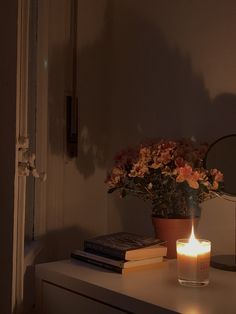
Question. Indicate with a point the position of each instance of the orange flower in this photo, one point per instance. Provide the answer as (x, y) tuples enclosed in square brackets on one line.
[(179, 162), (186, 173), (218, 176), (138, 170), (145, 154), (115, 177), (165, 157), (156, 163), (183, 173), (215, 185), (156, 170)]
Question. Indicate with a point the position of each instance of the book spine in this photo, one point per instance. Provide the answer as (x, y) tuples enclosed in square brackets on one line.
[(100, 258), (97, 263), (112, 252)]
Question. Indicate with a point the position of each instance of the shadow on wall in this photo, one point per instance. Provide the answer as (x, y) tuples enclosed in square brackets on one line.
[(95, 94), (156, 93), (58, 244), (94, 90), (56, 97), (133, 85), (222, 121)]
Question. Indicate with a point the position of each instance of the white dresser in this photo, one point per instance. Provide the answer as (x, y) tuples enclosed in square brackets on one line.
[(73, 287)]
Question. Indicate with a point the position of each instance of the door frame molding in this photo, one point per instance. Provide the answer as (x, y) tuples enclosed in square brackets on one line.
[(21, 135), (23, 46)]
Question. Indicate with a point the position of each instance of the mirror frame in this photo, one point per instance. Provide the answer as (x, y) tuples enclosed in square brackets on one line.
[(225, 262), (225, 195)]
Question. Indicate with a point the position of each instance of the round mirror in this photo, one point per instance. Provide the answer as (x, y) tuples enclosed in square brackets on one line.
[(222, 156)]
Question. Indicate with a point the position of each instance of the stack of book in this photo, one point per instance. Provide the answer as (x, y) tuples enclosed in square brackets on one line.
[(122, 252)]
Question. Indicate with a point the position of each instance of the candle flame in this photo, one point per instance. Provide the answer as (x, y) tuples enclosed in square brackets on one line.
[(192, 238), (194, 247)]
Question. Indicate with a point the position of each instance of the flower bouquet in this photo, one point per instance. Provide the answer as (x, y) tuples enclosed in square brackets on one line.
[(170, 174)]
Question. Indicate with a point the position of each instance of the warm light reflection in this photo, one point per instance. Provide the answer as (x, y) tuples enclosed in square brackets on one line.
[(193, 247), (192, 311)]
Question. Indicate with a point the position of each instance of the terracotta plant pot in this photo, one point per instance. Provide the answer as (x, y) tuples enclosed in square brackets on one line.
[(171, 230)]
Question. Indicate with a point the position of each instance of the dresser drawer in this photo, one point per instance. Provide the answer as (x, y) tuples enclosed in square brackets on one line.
[(57, 300)]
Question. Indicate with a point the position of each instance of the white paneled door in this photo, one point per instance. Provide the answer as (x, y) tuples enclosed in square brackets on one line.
[(36, 37), (31, 101), (22, 144), (44, 28)]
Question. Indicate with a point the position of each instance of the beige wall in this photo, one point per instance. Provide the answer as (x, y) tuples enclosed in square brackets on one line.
[(173, 75), (146, 69), (76, 195)]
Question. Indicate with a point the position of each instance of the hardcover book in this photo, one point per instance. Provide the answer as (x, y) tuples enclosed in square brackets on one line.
[(87, 256), (117, 269), (125, 246)]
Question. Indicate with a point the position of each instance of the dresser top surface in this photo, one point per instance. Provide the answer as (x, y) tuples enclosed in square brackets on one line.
[(157, 286)]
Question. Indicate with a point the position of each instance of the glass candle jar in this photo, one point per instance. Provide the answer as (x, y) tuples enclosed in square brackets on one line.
[(193, 261)]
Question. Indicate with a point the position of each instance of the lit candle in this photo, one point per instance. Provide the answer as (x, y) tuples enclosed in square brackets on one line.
[(193, 260)]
